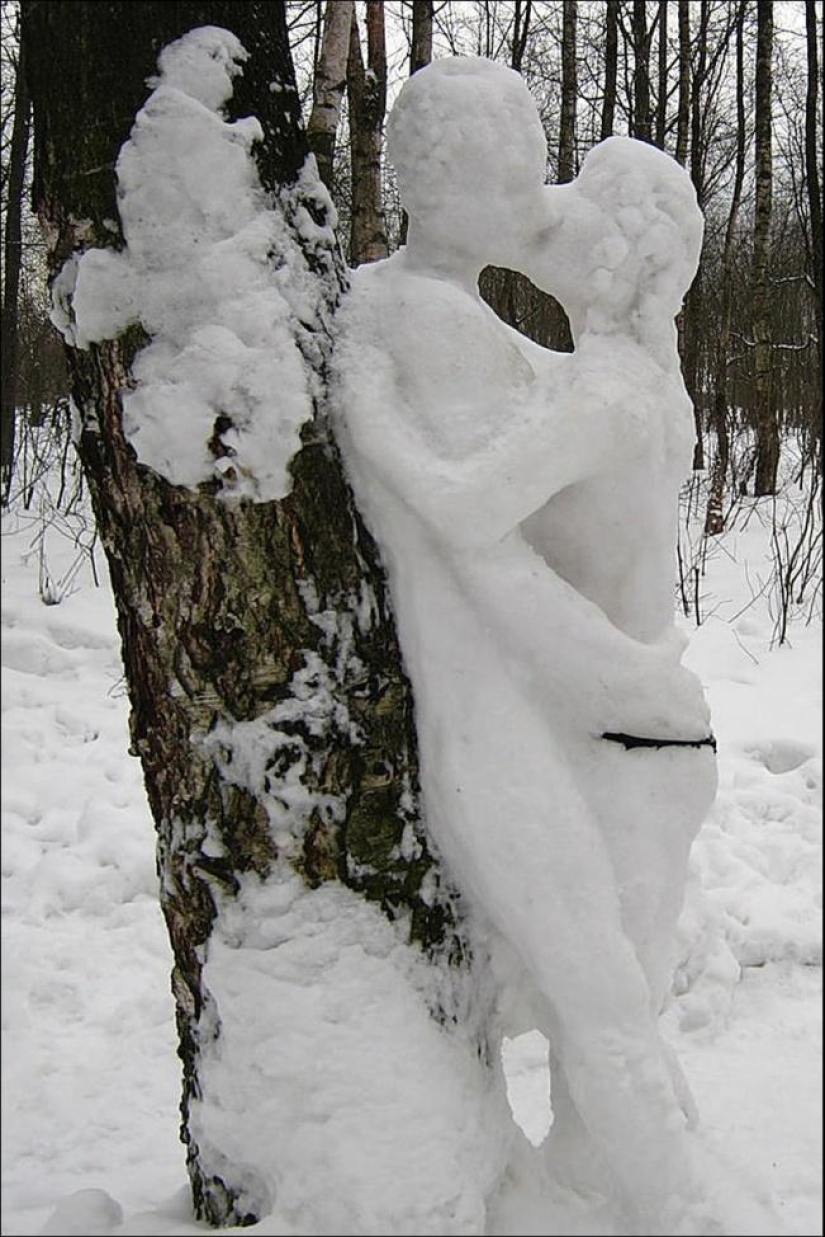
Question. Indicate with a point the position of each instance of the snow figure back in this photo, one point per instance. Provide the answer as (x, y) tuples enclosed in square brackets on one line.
[(525, 503)]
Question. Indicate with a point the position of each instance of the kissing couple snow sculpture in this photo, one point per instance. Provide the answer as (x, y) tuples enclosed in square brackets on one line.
[(525, 503)]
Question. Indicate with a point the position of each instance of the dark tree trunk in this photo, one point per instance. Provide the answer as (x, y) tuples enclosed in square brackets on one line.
[(683, 106), (611, 66), (367, 106), (218, 604), (715, 518), (692, 334), (328, 86), (765, 416), (421, 49), (567, 130), (814, 196), (521, 29), (641, 73), (12, 262), (661, 99)]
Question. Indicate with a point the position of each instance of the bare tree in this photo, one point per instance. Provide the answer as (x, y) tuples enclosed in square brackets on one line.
[(421, 47), (367, 93), (662, 75), (611, 67), (683, 106), (225, 608), (330, 80), (814, 186), (567, 131), (12, 263), (641, 72), (715, 518), (767, 428)]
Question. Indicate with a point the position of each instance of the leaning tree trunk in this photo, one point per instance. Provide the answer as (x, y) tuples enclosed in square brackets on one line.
[(765, 417), (222, 608), (12, 261)]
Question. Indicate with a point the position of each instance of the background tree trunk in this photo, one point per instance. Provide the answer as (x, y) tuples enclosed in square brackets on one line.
[(683, 106), (12, 261), (421, 48), (367, 91), (611, 67), (814, 199), (661, 98), (715, 519), (641, 73), (328, 86), (219, 604), (765, 417), (569, 89)]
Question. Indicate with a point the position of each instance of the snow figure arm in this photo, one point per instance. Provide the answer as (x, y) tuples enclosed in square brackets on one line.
[(470, 431)]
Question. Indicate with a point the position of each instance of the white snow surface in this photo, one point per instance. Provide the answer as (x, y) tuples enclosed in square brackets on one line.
[(91, 1079), (213, 275), (526, 506)]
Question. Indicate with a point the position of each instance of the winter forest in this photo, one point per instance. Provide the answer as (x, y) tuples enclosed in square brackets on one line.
[(412, 610)]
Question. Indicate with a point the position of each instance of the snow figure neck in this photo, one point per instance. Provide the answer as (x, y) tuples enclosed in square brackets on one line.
[(525, 503)]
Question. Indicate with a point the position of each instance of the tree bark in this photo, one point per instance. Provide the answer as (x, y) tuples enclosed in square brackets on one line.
[(12, 262), (421, 49), (221, 606), (814, 196), (567, 130), (715, 517), (367, 90), (765, 417), (641, 73), (661, 99), (683, 112), (521, 29), (329, 85), (611, 64)]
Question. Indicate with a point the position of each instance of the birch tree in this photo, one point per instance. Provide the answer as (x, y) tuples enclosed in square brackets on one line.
[(269, 707)]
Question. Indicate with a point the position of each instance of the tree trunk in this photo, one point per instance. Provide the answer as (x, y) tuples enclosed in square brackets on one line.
[(715, 518), (12, 261), (611, 63), (765, 417), (367, 106), (329, 85), (661, 100), (641, 73), (225, 608), (683, 112), (521, 29), (421, 49), (694, 301), (814, 197), (567, 131)]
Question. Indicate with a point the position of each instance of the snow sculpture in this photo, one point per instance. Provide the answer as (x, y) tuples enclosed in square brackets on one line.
[(526, 506)]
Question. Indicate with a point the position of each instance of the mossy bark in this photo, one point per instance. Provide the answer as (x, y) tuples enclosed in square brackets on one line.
[(218, 605)]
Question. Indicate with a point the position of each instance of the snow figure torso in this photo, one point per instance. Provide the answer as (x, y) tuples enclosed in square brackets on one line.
[(525, 503)]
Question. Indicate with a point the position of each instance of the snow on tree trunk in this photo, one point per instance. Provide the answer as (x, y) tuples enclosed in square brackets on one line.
[(270, 708)]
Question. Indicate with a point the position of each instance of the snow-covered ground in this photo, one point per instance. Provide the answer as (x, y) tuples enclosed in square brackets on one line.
[(90, 1074)]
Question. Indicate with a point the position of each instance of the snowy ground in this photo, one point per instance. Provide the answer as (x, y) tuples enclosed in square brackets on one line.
[(90, 1075)]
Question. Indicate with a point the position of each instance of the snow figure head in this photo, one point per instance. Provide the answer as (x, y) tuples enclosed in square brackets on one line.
[(202, 64), (469, 149)]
